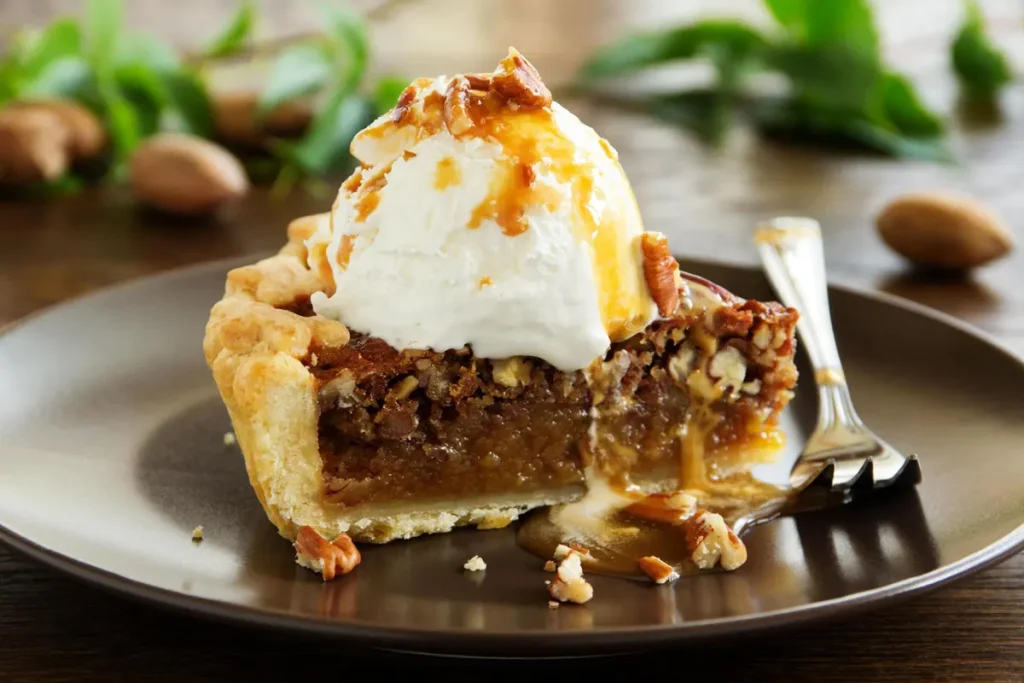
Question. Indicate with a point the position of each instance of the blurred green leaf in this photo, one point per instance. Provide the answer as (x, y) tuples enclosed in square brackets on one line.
[(981, 67), (326, 146), (234, 35), (59, 40), (829, 73), (795, 120), (101, 29), (146, 50), (120, 117), (791, 14), (848, 23), (64, 77), (142, 82), (188, 98), (387, 92), (707, 113), (350, 44), (145, 91), (12, 66), (149, 116), (297, 71), (639, 51), (903, 107)]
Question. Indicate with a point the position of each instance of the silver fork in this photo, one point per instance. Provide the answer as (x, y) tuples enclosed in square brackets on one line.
[(842, 456)]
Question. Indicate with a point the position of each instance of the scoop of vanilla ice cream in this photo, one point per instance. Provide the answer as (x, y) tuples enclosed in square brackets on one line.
[(485, 218)]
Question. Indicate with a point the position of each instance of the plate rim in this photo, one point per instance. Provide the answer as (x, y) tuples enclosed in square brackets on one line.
[(448, 640)]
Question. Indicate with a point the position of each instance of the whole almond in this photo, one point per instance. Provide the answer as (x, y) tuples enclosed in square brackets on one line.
[(236, 121), (87, 136), (33, 146), (943, 231), (184, 174)]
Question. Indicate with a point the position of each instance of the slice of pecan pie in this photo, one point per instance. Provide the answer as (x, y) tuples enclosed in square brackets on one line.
[(481, 326)]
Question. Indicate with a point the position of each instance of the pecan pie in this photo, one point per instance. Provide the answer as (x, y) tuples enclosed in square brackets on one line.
[(481, 326)]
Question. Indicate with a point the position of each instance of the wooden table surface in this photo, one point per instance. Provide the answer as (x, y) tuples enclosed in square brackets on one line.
[(55, 629)]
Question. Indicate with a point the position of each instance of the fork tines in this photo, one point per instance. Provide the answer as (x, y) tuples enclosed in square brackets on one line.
[(864, 481)]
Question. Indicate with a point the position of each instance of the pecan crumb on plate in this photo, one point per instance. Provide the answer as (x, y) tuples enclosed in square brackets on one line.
[(657, 569), (328, 558), (569, 584), (475, 564)]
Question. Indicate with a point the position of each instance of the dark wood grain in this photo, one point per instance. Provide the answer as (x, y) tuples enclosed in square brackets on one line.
[(55, 629)]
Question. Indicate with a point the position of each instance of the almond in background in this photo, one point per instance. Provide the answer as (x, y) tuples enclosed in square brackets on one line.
[(87, 137), (943, 231), (236, 122), (34, 145), (185, 175)]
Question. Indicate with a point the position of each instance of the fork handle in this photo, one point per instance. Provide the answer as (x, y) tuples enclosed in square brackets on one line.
[(794, 261)]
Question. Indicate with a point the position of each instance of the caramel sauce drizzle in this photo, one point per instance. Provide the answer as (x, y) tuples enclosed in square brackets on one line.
[(345, 250), (532, 142), (366, 205), (447, 174), (620, 524)]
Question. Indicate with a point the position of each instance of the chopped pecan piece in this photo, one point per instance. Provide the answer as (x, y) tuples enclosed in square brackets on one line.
[(456, 106), (563, 551), (479, 81), (569, 584), (518, 81), (657, 569), (329, 558), (511, 372), (710, 541), (405, 100), (662, 507), (401, 390), (661, 271)]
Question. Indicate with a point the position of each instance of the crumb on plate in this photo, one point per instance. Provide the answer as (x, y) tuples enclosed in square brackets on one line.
[(475, 564), (328, 558), (657, 569), (569, 584)]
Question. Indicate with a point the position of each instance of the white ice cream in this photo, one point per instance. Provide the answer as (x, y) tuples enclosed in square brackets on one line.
[(424, 254)]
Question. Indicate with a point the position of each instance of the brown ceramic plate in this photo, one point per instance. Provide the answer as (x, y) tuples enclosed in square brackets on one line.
[(112, 450)]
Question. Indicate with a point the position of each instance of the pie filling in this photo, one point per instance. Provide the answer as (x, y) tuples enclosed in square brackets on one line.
[(420, 426)]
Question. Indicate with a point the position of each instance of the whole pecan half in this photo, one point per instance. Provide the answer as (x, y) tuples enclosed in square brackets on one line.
[(661, 271), (456, 106), (518, 81)]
